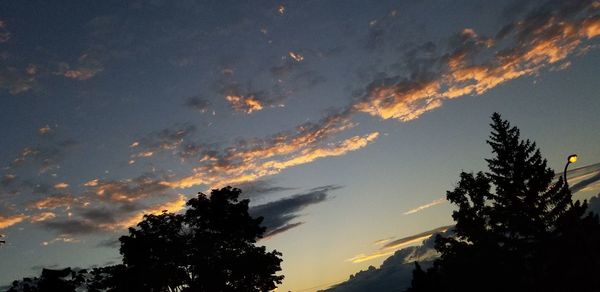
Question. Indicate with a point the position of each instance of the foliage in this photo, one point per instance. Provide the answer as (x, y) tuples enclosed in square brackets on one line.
[(209, 248), (515, 229)]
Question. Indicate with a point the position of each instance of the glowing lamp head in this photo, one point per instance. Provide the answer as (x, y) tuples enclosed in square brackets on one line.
[(572, 158)]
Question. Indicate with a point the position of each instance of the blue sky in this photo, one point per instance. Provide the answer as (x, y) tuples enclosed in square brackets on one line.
[(338, 117)]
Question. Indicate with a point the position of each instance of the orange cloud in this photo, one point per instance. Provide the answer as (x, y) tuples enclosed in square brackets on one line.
[(45, 130), (310, 155), (296, 56), (8, 221), (171, 206), (127, 190), (251, 159), (247, 104), (61, 185), (44, 216), (403, 101), (91, 183), (169, 139), (53, 202), (537, 43), (253, 166)]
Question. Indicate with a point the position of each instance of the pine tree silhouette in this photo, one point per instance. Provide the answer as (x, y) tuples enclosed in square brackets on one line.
[(515, 230)]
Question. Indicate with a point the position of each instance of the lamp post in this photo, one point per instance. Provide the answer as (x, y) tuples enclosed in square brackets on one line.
[(571, 159)]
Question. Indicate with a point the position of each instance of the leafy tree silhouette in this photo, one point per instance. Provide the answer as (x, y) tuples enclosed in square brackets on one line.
[(515, 230), (209, 248), (51, 280), (212, 247)]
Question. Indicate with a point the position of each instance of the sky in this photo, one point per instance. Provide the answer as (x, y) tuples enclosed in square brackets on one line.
[(344, 122)]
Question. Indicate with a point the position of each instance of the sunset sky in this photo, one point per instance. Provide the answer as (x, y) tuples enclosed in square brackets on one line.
[(344, 121)]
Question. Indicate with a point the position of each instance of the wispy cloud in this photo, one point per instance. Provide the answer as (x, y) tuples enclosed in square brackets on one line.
[(173, 206), (110, 217), (4, 33), (249, 160), (46, 156), (87, 66), (278, 215), (16, 80), (197, 103), (43, 216), (587, 183), (423, 207), (8, 221), (61, 238), (395, 273), (239, 170), (128, 190), (246, 104), (53, 202), (167, 140), (391, 246), (260, 188)]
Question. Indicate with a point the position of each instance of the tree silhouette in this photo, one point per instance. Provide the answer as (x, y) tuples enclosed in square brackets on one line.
[(212, 247), (64, 280), (209, 248), (515, 230), (222, 248), (154, 253)]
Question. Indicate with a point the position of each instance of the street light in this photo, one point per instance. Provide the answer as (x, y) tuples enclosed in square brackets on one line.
[(571, 159)]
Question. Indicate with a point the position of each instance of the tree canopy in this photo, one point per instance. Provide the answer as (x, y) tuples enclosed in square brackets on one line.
[(516, 229), (212, 247), (209, 248)]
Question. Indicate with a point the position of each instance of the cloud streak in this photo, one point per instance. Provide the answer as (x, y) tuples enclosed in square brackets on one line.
[(278, 215), (8, 221), (392, 246), (423, 207), (249, 160), (166, 140), (583, 179)]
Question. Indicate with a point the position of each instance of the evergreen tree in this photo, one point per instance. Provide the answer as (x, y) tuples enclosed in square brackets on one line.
[(515, 229)]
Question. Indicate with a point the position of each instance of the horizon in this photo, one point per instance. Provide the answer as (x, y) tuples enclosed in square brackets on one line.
[(343, 123)]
